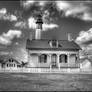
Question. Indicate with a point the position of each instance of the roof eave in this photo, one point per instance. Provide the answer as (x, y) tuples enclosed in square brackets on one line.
[(55, 49)]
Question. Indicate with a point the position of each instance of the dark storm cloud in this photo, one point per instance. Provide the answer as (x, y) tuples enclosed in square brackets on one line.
[(78, 9)]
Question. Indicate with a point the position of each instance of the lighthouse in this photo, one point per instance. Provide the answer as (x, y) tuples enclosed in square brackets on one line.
[(39, 23)]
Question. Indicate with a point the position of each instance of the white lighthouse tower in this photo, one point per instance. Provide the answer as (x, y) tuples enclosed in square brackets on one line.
[(39, 23)]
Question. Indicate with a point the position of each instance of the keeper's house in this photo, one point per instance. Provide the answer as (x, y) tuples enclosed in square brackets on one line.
[(51, 53)]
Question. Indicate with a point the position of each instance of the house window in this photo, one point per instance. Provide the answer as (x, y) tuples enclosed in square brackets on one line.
[(7, 65), (9, 60), (14, 65), (63, 58), (54, 43), (12, 60), (19, 66), (10, 65), (43, 58), (76, 57), (54, 58)]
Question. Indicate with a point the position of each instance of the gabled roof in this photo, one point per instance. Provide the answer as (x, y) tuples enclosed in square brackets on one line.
[(45, 45), (86, 58), (11, 59)]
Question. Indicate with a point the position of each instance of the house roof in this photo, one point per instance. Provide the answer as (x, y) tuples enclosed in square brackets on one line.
[(45, 45), (12, 59), (86, 58)]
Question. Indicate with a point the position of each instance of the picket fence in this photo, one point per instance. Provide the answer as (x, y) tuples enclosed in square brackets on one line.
[(45, 70)]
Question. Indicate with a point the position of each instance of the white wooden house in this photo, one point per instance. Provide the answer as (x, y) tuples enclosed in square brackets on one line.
[(51, 53)]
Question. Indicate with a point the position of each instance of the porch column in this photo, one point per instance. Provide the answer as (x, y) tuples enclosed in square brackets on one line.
[(38, 55), (50, 61), (58, 61), (77, 60), (68, 57), (28, 58), (28, 55)]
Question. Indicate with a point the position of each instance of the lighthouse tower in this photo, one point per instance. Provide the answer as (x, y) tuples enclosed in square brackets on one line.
[(39, 23)]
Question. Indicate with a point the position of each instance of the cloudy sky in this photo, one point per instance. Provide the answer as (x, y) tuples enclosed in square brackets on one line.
[(17, 23)]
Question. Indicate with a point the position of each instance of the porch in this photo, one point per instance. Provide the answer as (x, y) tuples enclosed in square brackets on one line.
[(53, 60)]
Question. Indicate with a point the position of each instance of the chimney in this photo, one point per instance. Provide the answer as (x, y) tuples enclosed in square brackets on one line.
[(70, 37), (39, 23)]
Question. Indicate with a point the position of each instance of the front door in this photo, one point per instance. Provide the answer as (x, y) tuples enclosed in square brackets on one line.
[(54, 61)]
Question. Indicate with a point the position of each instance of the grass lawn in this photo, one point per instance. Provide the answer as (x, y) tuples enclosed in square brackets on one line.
[(45, 82)]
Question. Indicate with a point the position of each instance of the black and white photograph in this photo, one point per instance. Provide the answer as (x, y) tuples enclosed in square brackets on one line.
[(46, 45)]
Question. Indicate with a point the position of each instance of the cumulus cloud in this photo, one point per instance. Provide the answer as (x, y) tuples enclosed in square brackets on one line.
[(84, 36), (4, 53), (16, 43), (62, 5), (85, 41), (75, 9), (3, 11), (32, 23), (28, 3), (46, 26), (21, 24), (7, 16), (49, 26), (42, 3), (6, 38), (86, 17), (89, 47)]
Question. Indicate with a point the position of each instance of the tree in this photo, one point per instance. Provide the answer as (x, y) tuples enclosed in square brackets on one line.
[(23, 64)]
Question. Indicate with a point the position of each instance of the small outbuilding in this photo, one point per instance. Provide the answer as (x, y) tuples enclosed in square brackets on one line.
[(85, 64), (11, 64)]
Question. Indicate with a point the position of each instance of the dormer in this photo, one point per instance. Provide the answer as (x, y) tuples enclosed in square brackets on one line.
[(53, 43)]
